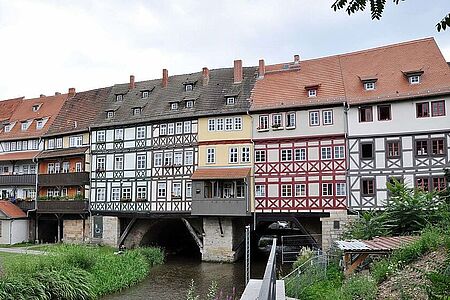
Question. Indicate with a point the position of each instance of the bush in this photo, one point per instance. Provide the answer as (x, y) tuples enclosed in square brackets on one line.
[(359, 287), (304, 255), (369, 225)]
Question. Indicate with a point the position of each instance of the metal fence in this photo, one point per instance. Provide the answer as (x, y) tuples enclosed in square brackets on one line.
[(269, 283), (291, 245)]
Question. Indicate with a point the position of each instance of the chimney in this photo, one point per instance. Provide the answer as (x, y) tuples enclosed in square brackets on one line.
[(165, 78), (41, 96), (261, 69), (296, 59), (205, 76), (132, 85), (57, 93), (238, 71), (71, 92)]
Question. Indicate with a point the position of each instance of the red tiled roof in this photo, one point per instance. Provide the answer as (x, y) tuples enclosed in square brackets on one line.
[(50, 107), (28, 155), (340, 77), (11, 211), (220, 173), (7, 108)]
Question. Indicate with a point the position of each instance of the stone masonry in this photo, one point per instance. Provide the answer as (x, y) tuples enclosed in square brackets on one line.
[(332, 227), (73, 231)]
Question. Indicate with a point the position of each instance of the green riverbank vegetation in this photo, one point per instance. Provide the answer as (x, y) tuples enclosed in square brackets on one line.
[(75, 272)]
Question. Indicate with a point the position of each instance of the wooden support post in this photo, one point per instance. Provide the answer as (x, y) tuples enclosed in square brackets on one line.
[(193, 234), (127, 230), (359, 260)]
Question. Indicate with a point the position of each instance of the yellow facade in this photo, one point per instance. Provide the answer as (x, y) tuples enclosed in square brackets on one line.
[(206, 135)]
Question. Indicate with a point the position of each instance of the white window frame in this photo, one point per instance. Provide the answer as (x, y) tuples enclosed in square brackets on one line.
[(168, 158), (51, 144), (286, 190), (189, 157), (312, 93), (101, 136), (110, 114), (78, 167), (188, 193), (341, 189), (189, 103), (326, 191), (145, 94), (141, 193), (300, 154), (162, 190), (314, 118), (286, 155), (290, 120), (115, 194), (326, 153), (24, 125), (187, 127), (118, 134), (118, 162), (179, 128), (163, 129), (174, 106), (211, 124), (59, 143), (141, 161), (210, 155), (263, 123), (178, 158), (127, 193), (260, 190), (231, 100), (238, 123), (176, 190), (100, 194), (300, 190), (260, 155), (101, 163), (136, 111), (170, 129), (220, 124), (339, 152), (233, 155), (327, 117), (157, 159), (414, 79), (140, 132), (245, 154), (228, 124), (39, 124), (369, 86)]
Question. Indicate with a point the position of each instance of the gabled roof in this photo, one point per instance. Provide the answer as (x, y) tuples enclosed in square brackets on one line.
[(209, 99), (49, 108), (11, 211), (7, 108), (79, 112)]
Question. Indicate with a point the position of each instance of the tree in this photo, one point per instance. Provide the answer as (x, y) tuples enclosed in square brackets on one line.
[(377, 8)]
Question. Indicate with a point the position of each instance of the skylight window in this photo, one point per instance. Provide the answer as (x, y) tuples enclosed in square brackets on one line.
[(189, 103), (188, 87), (231, 100), (39, 124), (24, 125), (136, 111), (145, 94), (174, 106), (369, 86), (8, 127), (312, 93), (414, 79), (110, 114), (119, 97)]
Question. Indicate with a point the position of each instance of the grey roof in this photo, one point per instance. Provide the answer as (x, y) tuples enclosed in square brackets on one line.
[(208, 99)]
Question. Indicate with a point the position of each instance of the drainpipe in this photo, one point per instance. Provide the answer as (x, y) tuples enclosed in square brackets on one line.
[(36, 227), (91, 222), (347, 167), (252, 171)]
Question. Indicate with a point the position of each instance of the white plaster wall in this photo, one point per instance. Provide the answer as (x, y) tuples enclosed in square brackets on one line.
[(19, 231)]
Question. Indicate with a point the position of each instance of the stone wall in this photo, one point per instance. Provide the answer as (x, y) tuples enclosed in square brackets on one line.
[(111, 231), (217, 244), (73, 231), (332, 231)]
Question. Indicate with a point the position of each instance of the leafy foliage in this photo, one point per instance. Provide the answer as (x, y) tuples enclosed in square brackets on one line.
[(377, 8), (369, 225)]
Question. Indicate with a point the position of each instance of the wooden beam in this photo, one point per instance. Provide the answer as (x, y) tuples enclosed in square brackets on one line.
[(127, 230), (193, 234), (359, 260)]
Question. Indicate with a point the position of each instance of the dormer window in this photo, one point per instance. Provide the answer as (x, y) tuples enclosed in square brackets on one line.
[(369, 86), (136, 111), (231, 100), (174, 106), (24, 125), (8, 127), (110, 114), (414, 79), (145, 94), (188, 87), (312, 93), (35, 107), (413, 75), (39, 124), (119, 97), (189, 103)]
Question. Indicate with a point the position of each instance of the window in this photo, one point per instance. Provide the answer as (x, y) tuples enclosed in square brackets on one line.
[(24, 125), (179, 128), (312, 93), (50, 168), (422, 183), (65, 167), (141, 194), (57, 167), (76, 141), (423, 110), (34, 144), (145, 94), (25, 145), (369, 86), (290, 120), (437, 147), (100, 136), (188, 189), (277, 121), (174, 106), (393, 149), (51, 144), (384, 112), (126, 194), (233, 155), (118, 134), (136, 111), (178, 158), (110, 114), (286, 154), (189, 104), (157, 159), (211, 124), (366, 151), (414, 79), (187, 127), (260, 155), (260, 190), (365, 114), (439, 183), (188, 158), (7, 127), (59, 143), (141, 161), (210, 155), (325, 153), (35, 107), (245, 154), (188, 87), (176, 189), (237, 123), (161, 189), (118, 163), (100, 163), (170, 129), (19, 146), (263, 122), (340, 189), (163, 129), (228, 124), (168, 159), (336, 225), (219, 124), (286, 190), (421, 147), (339, 152), (300, 190), (327, 189), (119, 97), (64, 192), (101, 195), (300, 154), (140, 132), (39, 124), (314, 118), (438, 108), (368, 187), (78, 167), (327, 117), (231, 100)]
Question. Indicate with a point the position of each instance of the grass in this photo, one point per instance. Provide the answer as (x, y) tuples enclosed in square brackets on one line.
[(74, 272)]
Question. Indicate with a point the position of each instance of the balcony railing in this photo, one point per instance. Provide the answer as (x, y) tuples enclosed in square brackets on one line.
[(219, 206), (62, 206), (26, 205), (18, 180), (63, 179)]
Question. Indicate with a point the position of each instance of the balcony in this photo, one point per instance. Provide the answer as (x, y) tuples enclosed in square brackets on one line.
[(220, 207), (63, 206), (18, 180), (26, 205), (63, 179)]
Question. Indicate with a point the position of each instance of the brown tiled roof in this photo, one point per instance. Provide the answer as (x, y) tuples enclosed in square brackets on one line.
[(62, 152), (7, 108), (11, 211), (26, 155), (220, 173), (50, 107), (377, 244), (80, 111), (340, 77)]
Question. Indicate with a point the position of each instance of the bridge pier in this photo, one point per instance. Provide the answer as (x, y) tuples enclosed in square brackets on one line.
[(332, 227)]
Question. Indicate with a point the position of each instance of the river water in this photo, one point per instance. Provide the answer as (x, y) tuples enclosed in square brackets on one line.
[(171, 280)]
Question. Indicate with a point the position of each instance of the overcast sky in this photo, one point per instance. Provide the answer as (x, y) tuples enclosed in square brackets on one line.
[(49, 46)]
